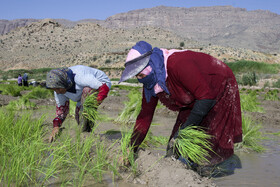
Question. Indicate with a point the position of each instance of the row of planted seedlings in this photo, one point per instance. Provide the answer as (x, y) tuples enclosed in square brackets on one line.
[(26, 158)]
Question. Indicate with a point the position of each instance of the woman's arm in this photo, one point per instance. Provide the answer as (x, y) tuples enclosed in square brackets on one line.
[(143, 121)]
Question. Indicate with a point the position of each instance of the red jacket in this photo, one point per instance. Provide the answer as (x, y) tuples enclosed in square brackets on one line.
[(195, 76)]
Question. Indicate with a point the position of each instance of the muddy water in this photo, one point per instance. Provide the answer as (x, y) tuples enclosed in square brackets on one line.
[(258, 169)]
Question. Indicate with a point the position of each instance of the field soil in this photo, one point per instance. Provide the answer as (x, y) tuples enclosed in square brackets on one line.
[(153, 168)]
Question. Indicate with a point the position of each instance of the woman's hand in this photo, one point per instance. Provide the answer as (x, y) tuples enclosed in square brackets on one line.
[(54, 133)]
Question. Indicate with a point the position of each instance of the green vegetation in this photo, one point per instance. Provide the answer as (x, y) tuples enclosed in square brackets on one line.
[(90, 107), (249, 102), (21, 104), (251, 135), (26, 159), (272, 95), (193, 143), (251, 66), (132, 108), (39, 93)]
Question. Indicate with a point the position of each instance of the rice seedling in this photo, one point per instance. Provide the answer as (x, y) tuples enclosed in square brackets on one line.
[(156, 141), (132, 108), (20, 149), (249, 103), (25, 159), (193, 144), (272, 95), (127, 152), (251, 135), (90, 107), (11, 89), (39, 93), (21, 104)]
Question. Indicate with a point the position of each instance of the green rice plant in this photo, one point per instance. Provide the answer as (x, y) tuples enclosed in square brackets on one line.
[(251, 135), (13, 90), (249, 103), (156, 141), (194, 143), (90, 107), (272, 95), (39, 93), (26, 160), (20, 148), (21, 104), (127, 152), (131, 109)]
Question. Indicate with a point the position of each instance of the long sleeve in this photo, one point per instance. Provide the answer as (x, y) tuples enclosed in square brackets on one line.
[(143, 121)]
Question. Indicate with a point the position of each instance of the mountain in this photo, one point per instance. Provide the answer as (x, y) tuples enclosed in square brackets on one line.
[(49, 44), (104, 43), (218, 25)]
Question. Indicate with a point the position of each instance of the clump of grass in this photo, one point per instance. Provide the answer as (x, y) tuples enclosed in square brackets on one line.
[(249, 102), (127, 152), (251, 135), (132, 108), (39, 93), (272, 95), (21, 104), (193, 143), (156, 141), (13, 90)]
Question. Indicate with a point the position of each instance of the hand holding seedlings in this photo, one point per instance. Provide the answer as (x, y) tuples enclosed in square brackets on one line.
[(77, 83)]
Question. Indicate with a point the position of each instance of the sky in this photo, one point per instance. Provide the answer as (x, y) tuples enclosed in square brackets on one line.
[(75, 10)]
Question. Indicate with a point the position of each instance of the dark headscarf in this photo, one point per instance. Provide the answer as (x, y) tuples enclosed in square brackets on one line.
[(61, 78), (157, 74)]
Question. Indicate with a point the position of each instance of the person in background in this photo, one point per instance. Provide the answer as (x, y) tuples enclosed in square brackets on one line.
[(200, 87), (25, 79), (19, 80), (75, 83)]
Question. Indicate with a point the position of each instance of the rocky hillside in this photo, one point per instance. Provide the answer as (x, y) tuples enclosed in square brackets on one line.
[(221, 25), (49, 44), (218, 25)]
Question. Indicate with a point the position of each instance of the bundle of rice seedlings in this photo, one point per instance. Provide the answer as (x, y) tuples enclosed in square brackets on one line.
[(193, 143), (90, 107)]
